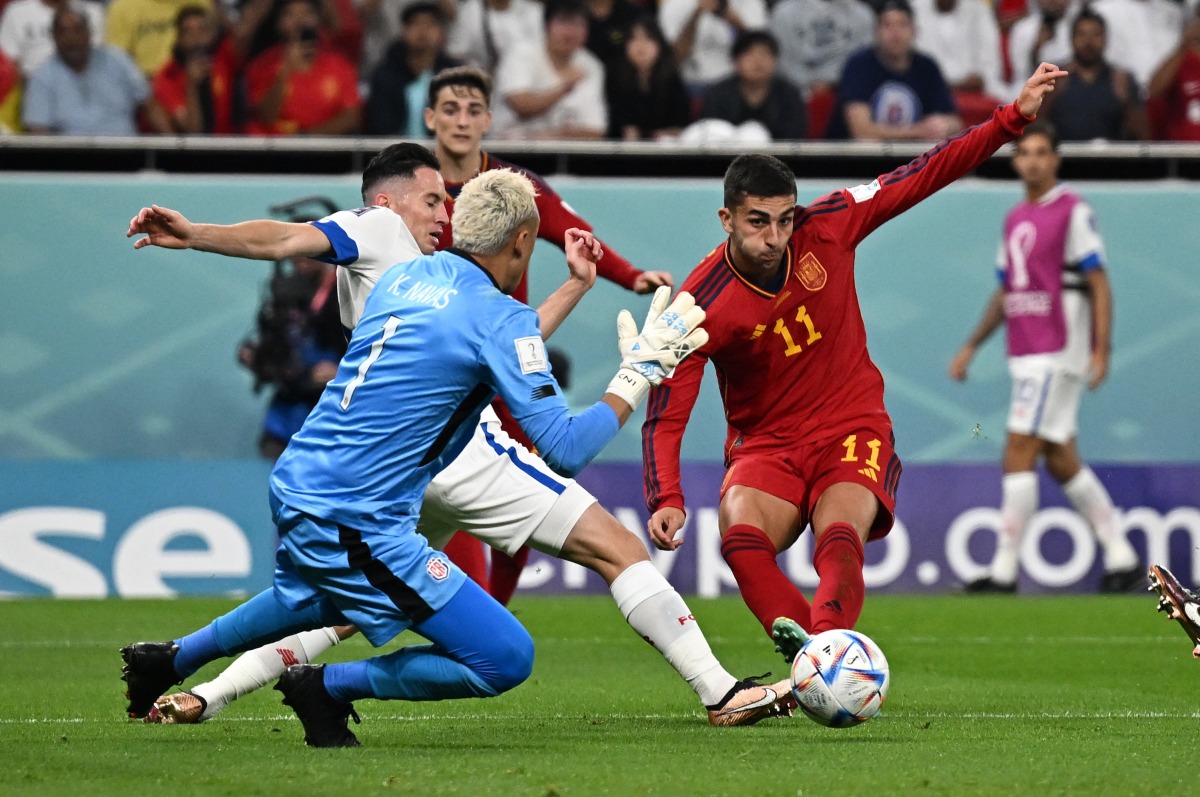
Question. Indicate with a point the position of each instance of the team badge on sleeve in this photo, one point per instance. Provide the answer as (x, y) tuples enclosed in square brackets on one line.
[(862, 193), (437, 567), (531, 353)]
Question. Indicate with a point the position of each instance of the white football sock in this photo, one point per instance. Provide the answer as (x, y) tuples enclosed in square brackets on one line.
[(656, 612), (1091, 500), (1018, 503), (256, 668)]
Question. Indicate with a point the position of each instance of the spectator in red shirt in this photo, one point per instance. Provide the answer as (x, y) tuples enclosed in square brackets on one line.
[(301, 85), (196, 86), (1176, 87)]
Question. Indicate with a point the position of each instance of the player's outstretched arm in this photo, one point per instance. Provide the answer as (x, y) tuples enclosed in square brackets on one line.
[(650, 281), (262, 239), (993, 317), (583, 252), (1040, 83), (1101, 293)]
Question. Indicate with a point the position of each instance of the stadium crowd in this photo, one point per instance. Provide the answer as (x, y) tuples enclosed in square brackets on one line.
[(691, 70)]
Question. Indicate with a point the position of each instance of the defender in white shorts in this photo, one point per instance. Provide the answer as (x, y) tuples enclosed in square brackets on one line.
[(495, 489), (1055, 298)]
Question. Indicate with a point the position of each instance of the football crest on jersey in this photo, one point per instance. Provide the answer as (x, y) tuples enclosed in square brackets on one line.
[(811, 273), (437, 567)]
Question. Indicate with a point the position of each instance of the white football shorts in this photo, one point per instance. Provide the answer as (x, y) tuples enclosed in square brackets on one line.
[(1045, 401), (499, 492)]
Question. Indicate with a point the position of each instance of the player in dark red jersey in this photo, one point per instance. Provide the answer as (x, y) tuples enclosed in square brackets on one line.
[(459, 114), (809, 439)]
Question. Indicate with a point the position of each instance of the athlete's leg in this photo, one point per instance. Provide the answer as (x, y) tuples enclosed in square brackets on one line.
[(755, 527), (1123, 569), (658, 614), (506, 573), (1018, 503), (479, 650), (842, 519)]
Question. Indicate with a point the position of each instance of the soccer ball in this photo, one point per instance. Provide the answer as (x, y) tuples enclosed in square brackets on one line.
[(840, 678)]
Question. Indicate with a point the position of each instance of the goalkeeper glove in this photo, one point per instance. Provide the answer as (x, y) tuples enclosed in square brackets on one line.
[(669, 334)]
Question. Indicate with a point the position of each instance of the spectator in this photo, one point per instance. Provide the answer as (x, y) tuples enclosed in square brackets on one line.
[(1141, 33), (555, 89), (381, 21), (10, 96), (756, 91), (964, 39), (1096, 100), (890, 91), (646, 97), (196, 87), (301, 85), (86, 89), (485, 31), (400, 85), (702, 33), (25, 35), (1176, 85), (146, 29), (816, 37), (1044, 34), (609, 22)]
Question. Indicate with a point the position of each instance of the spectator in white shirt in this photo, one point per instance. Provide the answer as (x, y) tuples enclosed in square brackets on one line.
[(485, 31), (1044, 34), (964, 39), (25, 35), (1141, 33), (702, 32), (553, 89)]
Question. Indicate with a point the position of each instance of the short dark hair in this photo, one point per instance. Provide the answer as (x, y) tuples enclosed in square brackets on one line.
[(1087, 14), (466, 76), (189, 11), (751, 38), (1040, 129), (398, 160), (893, 5), (564, 8), (422, 7), (757, 175)]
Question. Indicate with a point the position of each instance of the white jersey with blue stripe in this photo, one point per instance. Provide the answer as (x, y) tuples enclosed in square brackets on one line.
[(366, 242), (436, 341)]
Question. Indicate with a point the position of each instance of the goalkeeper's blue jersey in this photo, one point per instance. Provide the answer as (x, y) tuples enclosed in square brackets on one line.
[(436, 341)]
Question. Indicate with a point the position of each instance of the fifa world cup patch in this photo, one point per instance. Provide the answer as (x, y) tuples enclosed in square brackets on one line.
[(862, 193), (531, 353), (811, 273), (437, 567)]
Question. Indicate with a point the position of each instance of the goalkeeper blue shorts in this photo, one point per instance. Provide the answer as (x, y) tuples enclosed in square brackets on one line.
[(383, 580)]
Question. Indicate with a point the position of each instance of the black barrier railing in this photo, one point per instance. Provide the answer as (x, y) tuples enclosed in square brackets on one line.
[(305, 155)]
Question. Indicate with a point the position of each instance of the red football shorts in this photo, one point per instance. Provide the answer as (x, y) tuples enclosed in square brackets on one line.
[(800, 473)]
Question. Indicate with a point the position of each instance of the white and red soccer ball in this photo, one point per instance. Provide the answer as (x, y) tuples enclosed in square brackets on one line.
[(840, 678)]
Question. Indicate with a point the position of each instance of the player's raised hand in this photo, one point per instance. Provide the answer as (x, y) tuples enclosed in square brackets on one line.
[(1040, 83), (664, 526), (583, 252), (670, 334), (162, 227), (648, 281)]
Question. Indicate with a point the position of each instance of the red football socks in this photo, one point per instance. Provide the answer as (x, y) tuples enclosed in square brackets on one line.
[(838, 560), (766, 589)]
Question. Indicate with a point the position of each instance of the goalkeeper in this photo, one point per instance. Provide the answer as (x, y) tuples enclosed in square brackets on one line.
[(437, 339)]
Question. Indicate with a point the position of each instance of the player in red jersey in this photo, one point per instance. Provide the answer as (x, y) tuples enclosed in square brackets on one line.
[(809, 439), (459, 114)]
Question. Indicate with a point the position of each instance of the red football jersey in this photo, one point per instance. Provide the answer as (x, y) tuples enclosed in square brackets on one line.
[(793, 365), (557, 218), (171, 87), (312, 97), (1183, 101)]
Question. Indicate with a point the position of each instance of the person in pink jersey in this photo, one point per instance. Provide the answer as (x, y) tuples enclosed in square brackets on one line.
[(1055, 299)]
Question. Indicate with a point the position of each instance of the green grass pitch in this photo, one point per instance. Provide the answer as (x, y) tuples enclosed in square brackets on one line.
[(1074, 695)]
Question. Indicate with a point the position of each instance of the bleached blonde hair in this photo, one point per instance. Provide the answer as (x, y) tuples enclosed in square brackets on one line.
[(491, 207)]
